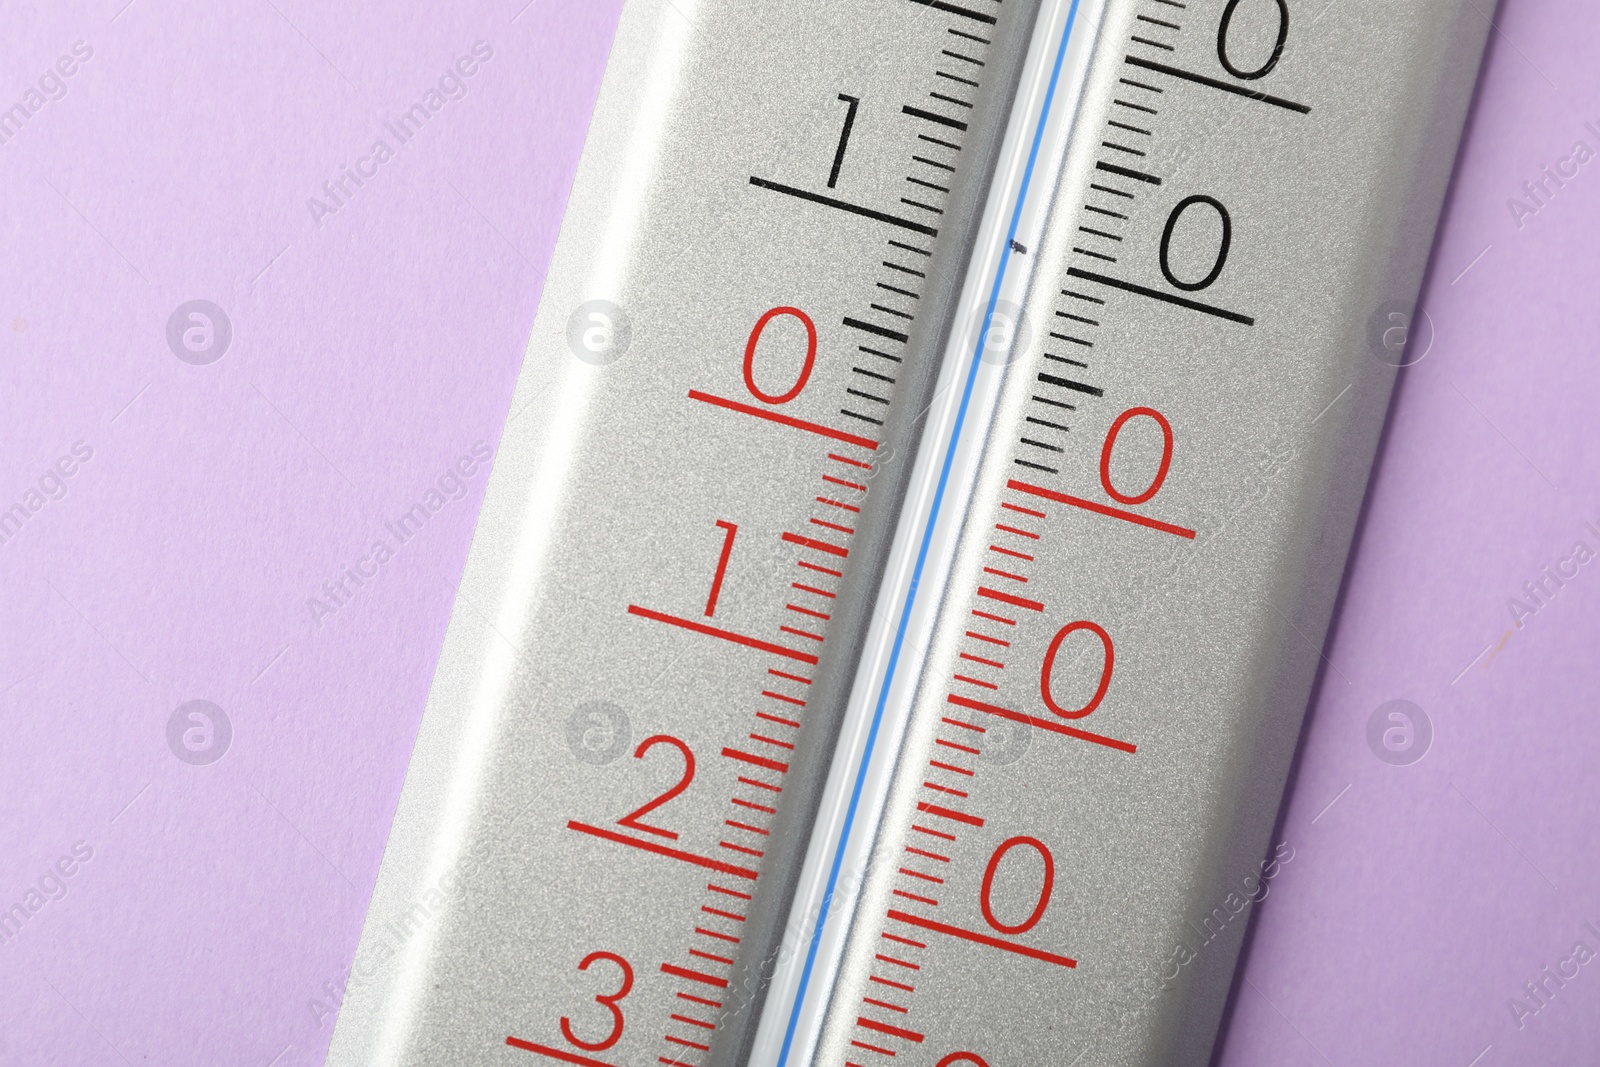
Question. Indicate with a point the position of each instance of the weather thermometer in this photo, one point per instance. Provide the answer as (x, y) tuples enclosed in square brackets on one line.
[(901, 582)]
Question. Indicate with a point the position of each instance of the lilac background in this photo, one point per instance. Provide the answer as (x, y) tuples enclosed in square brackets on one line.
[(368, 354), (372, 350), (1419, 903)]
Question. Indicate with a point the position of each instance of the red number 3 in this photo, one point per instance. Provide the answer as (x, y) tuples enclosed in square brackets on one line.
[(609, 1000)]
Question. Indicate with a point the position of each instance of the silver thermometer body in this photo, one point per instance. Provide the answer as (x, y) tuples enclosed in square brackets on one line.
[(673, 598), (1080, 769), (654, 638)]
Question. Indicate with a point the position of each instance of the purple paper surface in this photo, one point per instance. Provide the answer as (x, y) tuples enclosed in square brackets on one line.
[(379, 302), (378, 309), (1423, 895)]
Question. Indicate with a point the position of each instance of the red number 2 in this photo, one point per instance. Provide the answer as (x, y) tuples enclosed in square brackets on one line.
[(631, 820), (609, 1000)]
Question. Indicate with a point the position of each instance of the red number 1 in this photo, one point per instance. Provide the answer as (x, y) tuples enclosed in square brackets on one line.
[(722, 566)]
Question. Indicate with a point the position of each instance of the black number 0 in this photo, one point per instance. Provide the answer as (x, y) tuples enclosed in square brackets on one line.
[(1222, 251), (1277, 47)]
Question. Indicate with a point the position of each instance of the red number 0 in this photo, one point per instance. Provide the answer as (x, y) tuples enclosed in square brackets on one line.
[(1111, 443), (805, 369), (962, 1057), (1050, 663), (609, 1000), (1044, 892), (631, 820)]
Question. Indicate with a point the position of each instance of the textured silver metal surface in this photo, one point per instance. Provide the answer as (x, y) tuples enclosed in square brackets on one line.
[(584, 627), (1156, 805)]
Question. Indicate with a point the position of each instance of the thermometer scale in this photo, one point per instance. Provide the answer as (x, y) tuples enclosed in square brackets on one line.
[(901, 581)]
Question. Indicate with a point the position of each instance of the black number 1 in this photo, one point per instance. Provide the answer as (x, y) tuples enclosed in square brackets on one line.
[(844, 137)]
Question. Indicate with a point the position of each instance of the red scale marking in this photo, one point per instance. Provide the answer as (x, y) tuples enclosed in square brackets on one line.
[(898, 962), (739, 803), (916, 897), (693, 975), (994, 618), (830, 505), (883, 1004), (901, 940), (950, 767), (1102, 509), (815, 545), (555, 1053), (607, 834), (719, 632), (756, 761), (886, 1028), (982, 938), (1007, 598), (1004, 574), (949, 813), (1004, 944), (871, 1048), (1043, 724), (781, 419)]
